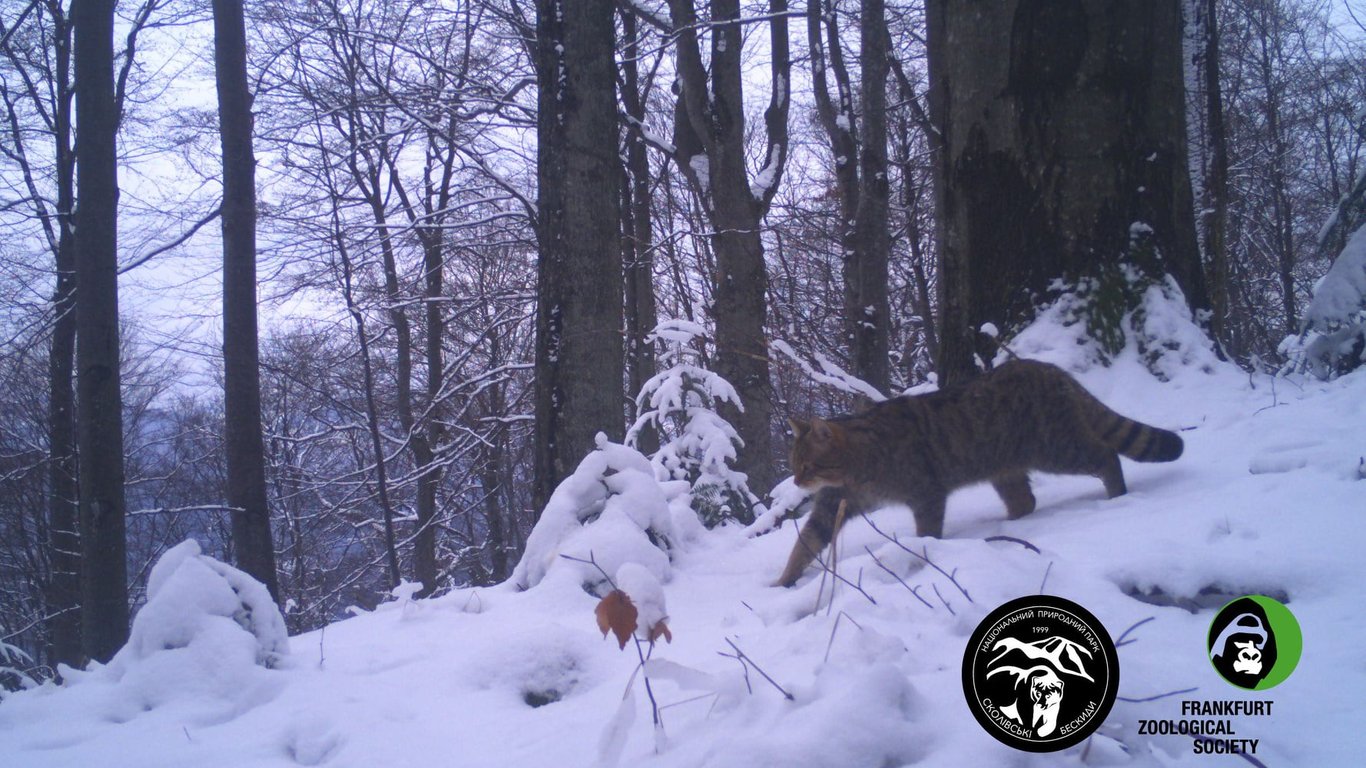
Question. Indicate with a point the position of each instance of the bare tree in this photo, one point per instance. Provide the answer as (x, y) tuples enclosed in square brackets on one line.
[(47, 89)]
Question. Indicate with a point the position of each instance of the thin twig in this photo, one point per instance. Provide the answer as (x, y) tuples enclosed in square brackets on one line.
[(743, 668), (900, 580), (1168, 694), (739, 654), (1014, 540), (923, 555), (827, 569), (834, 629), (942, 600), (1122, 641), (1046, 571)]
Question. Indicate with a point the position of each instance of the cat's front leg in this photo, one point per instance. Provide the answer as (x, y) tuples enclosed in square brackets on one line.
[(820, 529), (929, 515)]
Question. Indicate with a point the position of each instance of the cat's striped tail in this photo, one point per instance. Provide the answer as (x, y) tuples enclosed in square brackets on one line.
[(1135, 439)]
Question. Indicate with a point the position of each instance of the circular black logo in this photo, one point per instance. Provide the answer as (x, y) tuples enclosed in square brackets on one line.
[(1040, 673)]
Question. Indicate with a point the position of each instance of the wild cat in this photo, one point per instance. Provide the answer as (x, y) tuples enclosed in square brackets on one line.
[(1024, 415)]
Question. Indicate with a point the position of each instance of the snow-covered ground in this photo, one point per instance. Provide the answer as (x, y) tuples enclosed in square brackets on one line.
[(1269, 498)]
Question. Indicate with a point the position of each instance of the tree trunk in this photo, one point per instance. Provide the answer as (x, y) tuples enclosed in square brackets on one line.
[(1065, 155), (869, 311), (579, 367), (64, 588), (709, 130), (424, 445), (1216, 177), (371, 410), (637, 236), (246, 468), (99, 426), (861, 179)]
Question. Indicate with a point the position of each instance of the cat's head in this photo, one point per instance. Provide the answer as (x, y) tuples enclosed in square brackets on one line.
[(820, 454)]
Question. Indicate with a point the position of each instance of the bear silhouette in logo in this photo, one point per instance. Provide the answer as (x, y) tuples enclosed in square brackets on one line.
[(1039, 687)]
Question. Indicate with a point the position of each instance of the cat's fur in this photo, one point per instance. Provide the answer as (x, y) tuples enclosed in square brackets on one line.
[(1024, 415)]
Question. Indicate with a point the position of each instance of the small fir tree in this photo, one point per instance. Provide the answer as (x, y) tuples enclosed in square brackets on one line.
[(682, 404)]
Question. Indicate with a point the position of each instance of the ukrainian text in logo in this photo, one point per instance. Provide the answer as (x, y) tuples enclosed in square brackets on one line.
[(1040, 673)]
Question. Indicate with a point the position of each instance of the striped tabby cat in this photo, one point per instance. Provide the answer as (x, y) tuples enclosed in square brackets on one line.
[(1024, 415)]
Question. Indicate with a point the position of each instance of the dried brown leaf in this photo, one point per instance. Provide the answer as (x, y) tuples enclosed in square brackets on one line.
[(661, 629), (616, 613)]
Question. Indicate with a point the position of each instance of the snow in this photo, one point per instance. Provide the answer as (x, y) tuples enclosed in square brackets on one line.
[(646, 594), (1335, 320), (829, 373), (1268, 498), (768, 175), (610, 511), (1342, 290), (701, 168)]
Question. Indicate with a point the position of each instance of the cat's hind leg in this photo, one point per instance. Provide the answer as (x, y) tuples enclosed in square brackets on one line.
[(1014, 491), (1112, 474)]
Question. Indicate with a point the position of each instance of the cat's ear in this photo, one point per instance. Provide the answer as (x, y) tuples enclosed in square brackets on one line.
[(822, 430), (799, 427)]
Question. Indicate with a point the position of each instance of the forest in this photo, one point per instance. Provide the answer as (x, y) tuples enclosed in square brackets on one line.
[(344, 289)]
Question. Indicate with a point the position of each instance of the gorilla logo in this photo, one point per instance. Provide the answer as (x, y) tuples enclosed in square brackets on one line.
[(1241, 644)]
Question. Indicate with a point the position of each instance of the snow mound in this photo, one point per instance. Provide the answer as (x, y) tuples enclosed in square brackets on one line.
[(1160, 331), (1167, 338), (611, 511), (1341, 292), (1059, 336), (200, 653), (1332, 338), (195, 602)]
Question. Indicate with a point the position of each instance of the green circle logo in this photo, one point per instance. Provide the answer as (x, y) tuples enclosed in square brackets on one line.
[(1255, 642)]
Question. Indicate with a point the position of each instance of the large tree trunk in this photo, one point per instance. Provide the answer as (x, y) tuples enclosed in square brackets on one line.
[(104, 576), (709, 131), (579, 368), (246, 467), (1065, 154)]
